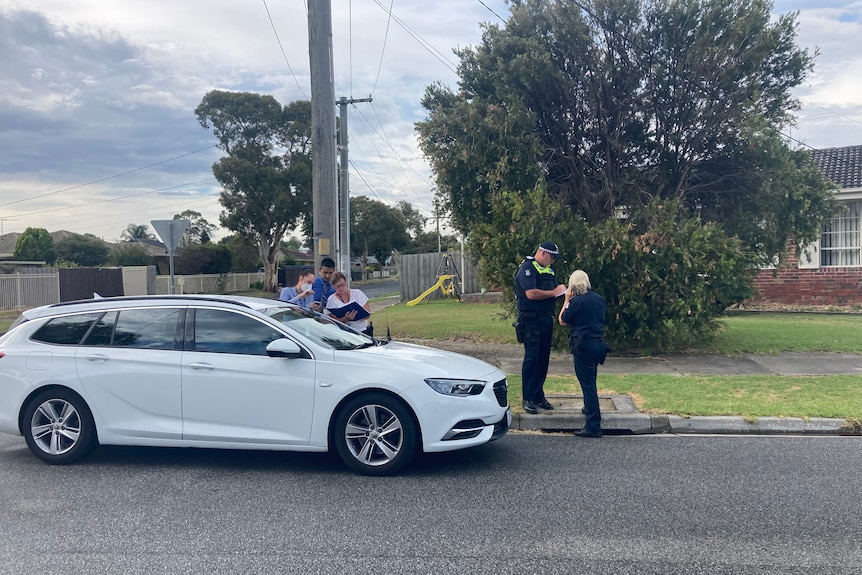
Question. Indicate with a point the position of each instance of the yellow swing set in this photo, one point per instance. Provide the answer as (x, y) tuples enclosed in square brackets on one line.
[(445, 282)]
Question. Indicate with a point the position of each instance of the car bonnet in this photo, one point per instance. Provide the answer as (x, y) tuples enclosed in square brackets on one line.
[(431, 362)]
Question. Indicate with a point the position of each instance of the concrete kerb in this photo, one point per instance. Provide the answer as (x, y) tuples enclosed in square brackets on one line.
[(620, 416), (648, 423)]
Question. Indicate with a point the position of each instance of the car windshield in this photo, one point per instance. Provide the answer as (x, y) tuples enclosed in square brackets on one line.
[(319, 329)]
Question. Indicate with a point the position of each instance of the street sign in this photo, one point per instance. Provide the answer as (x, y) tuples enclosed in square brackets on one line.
[(171, 232)]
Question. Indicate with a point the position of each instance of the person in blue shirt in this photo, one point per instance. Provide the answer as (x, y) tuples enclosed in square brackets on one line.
[(536, 288), (322, 285), (584, 312), (301, 294)]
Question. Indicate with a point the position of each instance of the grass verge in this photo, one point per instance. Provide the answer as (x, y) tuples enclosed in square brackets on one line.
[(835, 396), (761, 333)]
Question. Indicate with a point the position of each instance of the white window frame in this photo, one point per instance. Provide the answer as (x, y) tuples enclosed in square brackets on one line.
[(841, 237)]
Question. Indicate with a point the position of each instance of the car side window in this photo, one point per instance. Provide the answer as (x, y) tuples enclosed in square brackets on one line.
[(102, 331), (66, 330), (146, 328), (221, 331)]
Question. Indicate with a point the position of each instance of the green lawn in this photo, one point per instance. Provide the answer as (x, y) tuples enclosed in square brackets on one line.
[(747, 396), (764, 333)]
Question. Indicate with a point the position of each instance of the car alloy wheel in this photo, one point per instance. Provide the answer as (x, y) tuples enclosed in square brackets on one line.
[(375, 434), (58, 427)]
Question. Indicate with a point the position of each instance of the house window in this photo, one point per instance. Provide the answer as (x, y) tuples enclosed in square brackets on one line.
[(841, 240)]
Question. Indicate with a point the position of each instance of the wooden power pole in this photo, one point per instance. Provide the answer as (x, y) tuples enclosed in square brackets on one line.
[(323, 189)]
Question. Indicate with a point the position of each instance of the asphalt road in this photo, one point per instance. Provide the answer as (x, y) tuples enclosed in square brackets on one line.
[(544, 504), (378, 288)]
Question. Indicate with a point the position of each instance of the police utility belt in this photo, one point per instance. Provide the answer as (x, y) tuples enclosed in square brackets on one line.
[(533, 314)]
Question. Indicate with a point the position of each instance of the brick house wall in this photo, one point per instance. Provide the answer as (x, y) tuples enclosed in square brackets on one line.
[(816, 280), (791, 284)]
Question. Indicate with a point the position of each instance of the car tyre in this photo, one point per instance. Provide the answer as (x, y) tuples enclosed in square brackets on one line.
[(58, 427), (375, 434)]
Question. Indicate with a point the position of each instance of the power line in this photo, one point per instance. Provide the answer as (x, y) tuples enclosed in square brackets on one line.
[(160, 208), (492, 11), (383, 51), (402, 162), (108, 177), (107, 200), (424, 43), (361, 177), (828, 111), (283, 53), (394, 179)]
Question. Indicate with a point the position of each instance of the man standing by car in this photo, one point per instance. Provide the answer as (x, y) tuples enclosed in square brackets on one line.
[(322, 285), (536, 288)]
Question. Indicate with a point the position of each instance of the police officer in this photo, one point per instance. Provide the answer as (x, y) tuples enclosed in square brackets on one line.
[(536, 288)]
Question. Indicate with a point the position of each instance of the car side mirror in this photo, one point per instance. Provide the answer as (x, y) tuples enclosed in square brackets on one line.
[(284, 347)]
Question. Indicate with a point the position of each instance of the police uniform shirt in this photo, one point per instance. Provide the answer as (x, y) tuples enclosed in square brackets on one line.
[(586, 315), (531, 275)]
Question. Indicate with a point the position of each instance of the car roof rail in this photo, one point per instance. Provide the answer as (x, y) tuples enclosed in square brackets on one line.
[(184, 297)]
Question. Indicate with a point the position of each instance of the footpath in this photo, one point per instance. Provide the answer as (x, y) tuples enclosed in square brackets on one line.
[(620, 415)]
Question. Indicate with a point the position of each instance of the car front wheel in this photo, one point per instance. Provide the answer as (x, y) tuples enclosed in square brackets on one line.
[(58, 427), (375, 434)]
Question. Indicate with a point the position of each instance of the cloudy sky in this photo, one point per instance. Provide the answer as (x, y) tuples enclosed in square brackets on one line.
[(97, 98)]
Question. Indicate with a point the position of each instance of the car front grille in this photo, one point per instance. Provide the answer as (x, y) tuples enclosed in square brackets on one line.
[(501, 390)]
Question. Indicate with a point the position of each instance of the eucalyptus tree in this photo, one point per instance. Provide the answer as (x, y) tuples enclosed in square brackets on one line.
[(199, 230), (376, 229), (266, 170)]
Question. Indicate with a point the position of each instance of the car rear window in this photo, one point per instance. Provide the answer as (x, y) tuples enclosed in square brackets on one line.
[(67, 330)]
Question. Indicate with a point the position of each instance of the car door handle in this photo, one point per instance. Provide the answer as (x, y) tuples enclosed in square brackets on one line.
[(201, 365), (97, 357)]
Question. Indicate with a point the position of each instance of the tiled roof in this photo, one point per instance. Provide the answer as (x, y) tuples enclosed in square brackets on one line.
[(841, 166)]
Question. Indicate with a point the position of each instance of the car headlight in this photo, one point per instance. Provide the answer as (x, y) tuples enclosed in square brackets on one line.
[(458, 387)]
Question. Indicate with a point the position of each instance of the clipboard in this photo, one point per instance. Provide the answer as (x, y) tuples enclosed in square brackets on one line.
[(361, 313)]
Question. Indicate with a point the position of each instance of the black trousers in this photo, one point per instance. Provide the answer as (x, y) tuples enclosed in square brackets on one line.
[(538, 332), (586, 368)]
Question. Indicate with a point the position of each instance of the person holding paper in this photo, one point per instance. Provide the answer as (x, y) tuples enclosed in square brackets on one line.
[(300, 294), (346, 297)]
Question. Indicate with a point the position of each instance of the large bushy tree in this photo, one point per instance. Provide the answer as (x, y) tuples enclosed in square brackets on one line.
[(130, 254), (244, 253), (641, 117), (376, 229), (84, 250), (203, 258), (34, 244), (199, 230), (266, 172)]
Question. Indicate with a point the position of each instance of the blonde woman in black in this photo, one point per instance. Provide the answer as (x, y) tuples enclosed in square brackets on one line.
[(584, 312)]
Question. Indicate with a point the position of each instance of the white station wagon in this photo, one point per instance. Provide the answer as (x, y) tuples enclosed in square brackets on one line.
[(236, 373)]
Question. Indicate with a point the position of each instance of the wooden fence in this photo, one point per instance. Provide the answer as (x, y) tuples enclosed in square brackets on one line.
[(418, 272), (45, 286)]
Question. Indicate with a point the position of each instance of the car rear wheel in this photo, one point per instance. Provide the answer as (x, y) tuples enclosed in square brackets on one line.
[(58, 427), (375, 434)]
